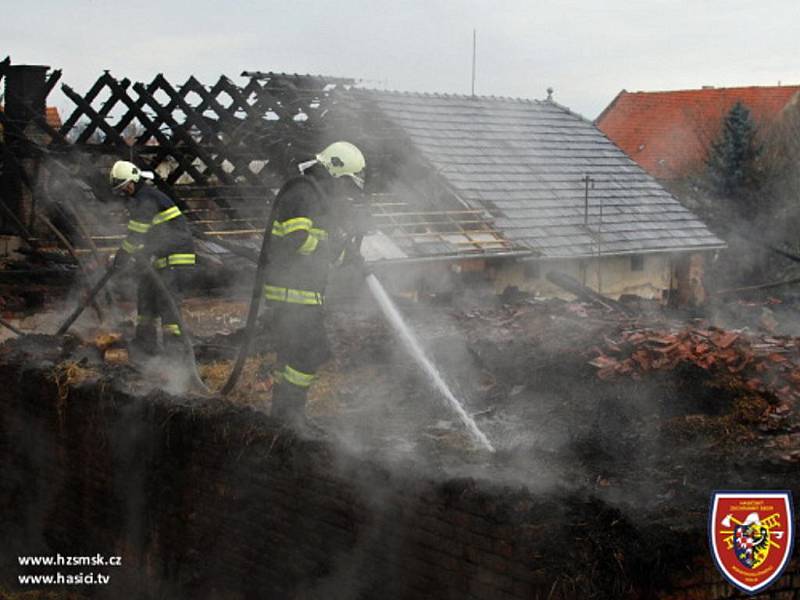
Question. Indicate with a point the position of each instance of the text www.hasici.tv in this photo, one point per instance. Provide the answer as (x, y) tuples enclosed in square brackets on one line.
[(71, 577)]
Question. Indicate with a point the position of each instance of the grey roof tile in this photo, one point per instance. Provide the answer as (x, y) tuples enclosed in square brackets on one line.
[(524, 162)]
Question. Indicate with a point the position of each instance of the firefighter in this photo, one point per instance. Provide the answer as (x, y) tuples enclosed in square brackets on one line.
[(312, 230), (159, 233)]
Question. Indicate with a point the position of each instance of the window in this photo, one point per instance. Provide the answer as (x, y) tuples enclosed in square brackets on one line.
[(637, 262)]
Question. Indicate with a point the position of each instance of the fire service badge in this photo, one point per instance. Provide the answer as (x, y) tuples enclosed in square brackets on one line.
[(751, 535)]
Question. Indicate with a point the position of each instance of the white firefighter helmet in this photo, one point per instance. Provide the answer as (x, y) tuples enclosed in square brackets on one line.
[(343, 159), (124, 172)]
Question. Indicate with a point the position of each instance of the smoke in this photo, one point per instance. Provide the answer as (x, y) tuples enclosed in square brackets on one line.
[(554, 426)]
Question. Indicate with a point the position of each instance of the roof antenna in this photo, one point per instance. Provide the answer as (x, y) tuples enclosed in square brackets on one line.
[(474, 53)]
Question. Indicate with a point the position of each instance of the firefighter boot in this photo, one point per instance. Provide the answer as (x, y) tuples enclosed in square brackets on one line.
[(288, 403), (289, 406), (145, 340), (173, 344)]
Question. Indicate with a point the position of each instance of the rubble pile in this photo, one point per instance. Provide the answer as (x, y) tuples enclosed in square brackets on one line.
[(762, 372), (740, 362)]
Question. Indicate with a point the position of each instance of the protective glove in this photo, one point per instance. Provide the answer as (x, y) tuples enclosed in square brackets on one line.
[(362, 221), (353, 259)]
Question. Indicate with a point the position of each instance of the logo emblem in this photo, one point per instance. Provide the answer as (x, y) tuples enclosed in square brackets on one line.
[(751, 536)]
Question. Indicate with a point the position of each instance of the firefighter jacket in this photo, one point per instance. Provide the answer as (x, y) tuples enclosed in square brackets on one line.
[(157, 229), (304, 236)]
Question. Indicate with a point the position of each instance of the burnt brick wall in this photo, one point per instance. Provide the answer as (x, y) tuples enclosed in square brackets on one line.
[(204, 499)]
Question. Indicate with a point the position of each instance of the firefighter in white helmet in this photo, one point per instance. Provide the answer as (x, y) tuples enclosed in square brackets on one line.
[(157, 232), (313, 229)]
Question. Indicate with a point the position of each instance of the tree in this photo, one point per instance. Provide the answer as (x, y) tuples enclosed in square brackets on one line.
[(734, 170)]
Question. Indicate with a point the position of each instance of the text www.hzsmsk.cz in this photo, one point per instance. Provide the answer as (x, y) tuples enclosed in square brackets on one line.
[(60, 560)]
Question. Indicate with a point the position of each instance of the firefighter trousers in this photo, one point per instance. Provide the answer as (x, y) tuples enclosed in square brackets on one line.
[(152, 306), (301, 344)]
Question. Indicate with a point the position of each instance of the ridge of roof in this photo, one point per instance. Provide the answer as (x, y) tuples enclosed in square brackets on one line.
[(446, 96), (711, 89), (568, 110)]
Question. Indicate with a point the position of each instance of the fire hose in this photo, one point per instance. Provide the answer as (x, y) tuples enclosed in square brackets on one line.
[(101, 283), (10, 327), (255, 302)]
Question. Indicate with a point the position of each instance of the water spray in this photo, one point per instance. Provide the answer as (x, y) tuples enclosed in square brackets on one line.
[(394, 317)]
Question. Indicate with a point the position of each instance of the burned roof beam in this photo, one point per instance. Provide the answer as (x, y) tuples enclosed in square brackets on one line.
[(72, 120), (104, 111), (226, 150), (152, 130), (97, 120)]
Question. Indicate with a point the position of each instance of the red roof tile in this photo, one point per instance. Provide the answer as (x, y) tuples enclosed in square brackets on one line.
[(53, 118), (668, 133)]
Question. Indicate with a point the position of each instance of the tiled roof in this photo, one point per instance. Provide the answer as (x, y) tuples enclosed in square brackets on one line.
[(523, 162), (668, 133), (53, 118)]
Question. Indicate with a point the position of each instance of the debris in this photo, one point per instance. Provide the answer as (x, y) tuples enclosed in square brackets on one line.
[(586, 294), (768, 365), (116, 356), (767, 320), (107, 339)]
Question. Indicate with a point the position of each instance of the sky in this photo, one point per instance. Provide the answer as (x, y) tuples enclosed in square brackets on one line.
[(587, 51)]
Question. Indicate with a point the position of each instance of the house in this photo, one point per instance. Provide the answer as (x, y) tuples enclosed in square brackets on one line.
[(669, 133), (506, 190), (480, 191)]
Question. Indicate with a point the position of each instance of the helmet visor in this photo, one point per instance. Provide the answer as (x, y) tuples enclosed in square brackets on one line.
[(117, 184), (358, 179)]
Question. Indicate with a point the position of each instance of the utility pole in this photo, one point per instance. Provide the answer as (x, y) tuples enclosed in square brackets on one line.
[(588, 181), (600, 250)]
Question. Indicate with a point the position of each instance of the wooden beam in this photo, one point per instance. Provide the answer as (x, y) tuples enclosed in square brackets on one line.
[(152, 130), (97, 120), (72, 120)]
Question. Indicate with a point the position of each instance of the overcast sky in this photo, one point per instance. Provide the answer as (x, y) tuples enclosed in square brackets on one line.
[(586, 50)]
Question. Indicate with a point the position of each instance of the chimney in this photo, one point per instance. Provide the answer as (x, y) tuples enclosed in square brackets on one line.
[(24, 85)]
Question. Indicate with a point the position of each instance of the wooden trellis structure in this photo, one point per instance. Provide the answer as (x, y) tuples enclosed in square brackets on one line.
[(220, 150)]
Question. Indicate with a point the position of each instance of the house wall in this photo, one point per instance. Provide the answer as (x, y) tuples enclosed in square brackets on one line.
[(612, 276)]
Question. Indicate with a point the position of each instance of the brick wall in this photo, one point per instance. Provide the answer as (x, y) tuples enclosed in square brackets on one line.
[(203, 499)]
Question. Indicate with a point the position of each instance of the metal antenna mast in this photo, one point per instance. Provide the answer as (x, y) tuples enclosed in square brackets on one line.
[(474, 54)]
